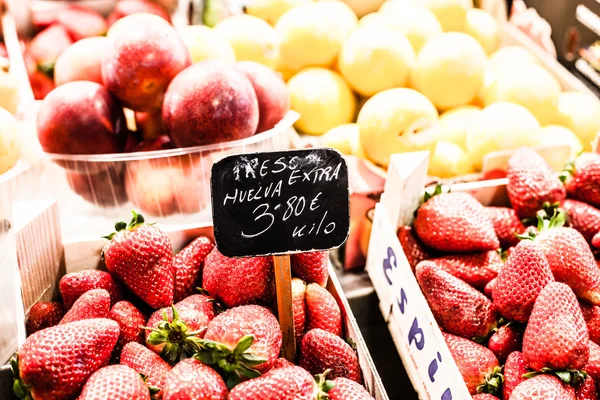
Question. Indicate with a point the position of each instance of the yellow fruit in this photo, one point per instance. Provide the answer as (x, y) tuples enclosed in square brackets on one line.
[(528, 85), (580, 112), (364, 7), (313, 34), (396, 121), (9, 92), (512, 55), (449, 160), (206, 44), (374, 59), (418, 24), (271, 10), (483, 27), (344, 138), (252, 39), (452, 14), (9, 146), (455, 122), (556, 134), (498, 127), (322, 98), (449, 70)]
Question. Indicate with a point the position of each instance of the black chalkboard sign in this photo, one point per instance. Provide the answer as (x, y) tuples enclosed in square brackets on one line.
[(280, 202)]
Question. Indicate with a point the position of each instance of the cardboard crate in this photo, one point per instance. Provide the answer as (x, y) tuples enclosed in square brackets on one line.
[(44, 257)]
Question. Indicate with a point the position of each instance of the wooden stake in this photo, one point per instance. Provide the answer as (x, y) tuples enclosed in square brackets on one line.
[(283, 285)]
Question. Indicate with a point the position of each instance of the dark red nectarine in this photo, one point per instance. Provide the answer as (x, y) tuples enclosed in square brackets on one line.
[(105, 188), (81, 61)]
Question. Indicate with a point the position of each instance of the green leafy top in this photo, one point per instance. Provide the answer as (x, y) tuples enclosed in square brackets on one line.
[(550, 216), (570, 376), (136, 221), (569, 168), (324, 385), (19, 388), (493, 382), (436, 191)]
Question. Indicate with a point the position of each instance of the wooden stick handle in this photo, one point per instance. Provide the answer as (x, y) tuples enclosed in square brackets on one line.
[(283, 286)]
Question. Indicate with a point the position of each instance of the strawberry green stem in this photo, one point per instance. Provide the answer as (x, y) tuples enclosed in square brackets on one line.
[(569, 376), (323, 385), (20, 390), (136, 221), (493, 382)]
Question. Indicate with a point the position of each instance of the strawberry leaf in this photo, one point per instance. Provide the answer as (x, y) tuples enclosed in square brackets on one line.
[(493, 382), (243, 345)]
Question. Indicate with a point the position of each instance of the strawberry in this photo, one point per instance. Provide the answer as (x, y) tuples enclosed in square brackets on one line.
[(41, 84), (414, 250), (489, 288), (148, 363), (75, 284), (345, 389), (174, 331), (242, 342), (457, 307), (43, 315), (582, 217), (299, 307), (514, 369), (124, 8), (543, 387), (282, 362), (311, 267), (571, 261), (507, 225), (531, 183), (279, 384), (115, 382), (323, 310), (81, 22), (596, 240), (477, 269), (591, 314), (238, 281), (520, 281), (192, 379), (477, 365), (455, 222), (56, 362), (484, 396), (131, 324), (188, 264), (587, 390), (507, 339), (92, 304), (142, 257), (47, 45), (593, 364), (322, 350), (582, 178), (556, 336)]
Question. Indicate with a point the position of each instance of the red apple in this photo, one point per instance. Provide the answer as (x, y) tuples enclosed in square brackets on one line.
[(105, 188), (149, 124), (210, 102), (271, 92), (144, 55), (124, 8), (81, 61)]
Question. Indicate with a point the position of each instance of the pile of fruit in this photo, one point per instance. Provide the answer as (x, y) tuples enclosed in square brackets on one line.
[(144, 329), (411, 75), (516, 290), (9, 147)]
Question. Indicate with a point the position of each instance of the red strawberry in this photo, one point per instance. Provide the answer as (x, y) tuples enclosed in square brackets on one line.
[(41, 84), (148, 363), (496, 173), (556, 336), (43, 315), (142, 257), (571, 261), (175, 330), (188, 264), (47, 45), (281, 363), (414, 250), (345, 389), (587, 391), (477, 269), (191, 379), (75, 284), (56, 362), (484, 396), (514, 369), (593, 364), (591, 314), (489, 288), (455, 222), (299, 307), (582, 217), (282, 383), (507, 225), (477, 365), (323, 310), (124, 8), (582, 178), (531, 183), (131, 323), (92, 304), (311, 267), (238, 281), (596, 240), (507, 339), (322, 350), (543, 387), (82, 22), (457, 307), (115, 382), (242, 342), (520, 281)]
